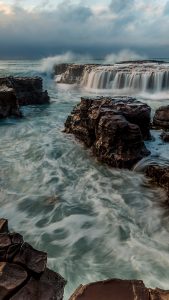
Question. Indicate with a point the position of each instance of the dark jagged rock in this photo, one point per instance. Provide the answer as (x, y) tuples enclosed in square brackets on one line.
[(29, 90), (113, 127), (60, 68), (165, 136), (118, 289), (9, 105), (50, 286), (12, 277), (34, 260), (3, 225), (159, 175), (71, 73), (23, 271), (161, 117)]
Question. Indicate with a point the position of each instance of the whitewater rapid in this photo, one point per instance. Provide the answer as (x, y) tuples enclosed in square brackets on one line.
[(94, 222)]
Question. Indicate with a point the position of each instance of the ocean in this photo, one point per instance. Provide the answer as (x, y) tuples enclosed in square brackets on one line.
[(93, 221)]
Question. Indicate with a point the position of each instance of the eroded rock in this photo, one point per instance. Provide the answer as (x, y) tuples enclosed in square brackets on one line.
[(12, 276), (165, 136), (23, 271), (159, 175), (161, 117), (3, 225), (9, 105), (118, 289), (114, 128), (34, 260)]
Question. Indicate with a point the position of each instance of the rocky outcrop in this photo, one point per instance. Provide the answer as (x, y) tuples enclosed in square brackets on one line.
[(118, 289), (70, 73), (9, 105), (159, 175), (161, 118), (28, 90), (23, 270), (114, 128)]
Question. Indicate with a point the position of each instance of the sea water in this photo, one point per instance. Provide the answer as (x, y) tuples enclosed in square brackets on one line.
[(93, 221)]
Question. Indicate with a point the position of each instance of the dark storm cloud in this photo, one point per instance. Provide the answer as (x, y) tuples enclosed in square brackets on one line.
[(76, 27)]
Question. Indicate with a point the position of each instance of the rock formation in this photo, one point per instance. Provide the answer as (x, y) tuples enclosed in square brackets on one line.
[(159, 175), (114, 128), (165, 136), (70, 73), (9, 105), (161, 118), (116, 289), (23, 271), (16, 91), (142, 76), (29, 90)]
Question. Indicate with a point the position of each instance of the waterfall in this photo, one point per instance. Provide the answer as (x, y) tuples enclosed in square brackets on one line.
[(143, 77)]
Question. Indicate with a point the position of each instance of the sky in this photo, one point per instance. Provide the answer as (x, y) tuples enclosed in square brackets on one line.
[(41, 28)]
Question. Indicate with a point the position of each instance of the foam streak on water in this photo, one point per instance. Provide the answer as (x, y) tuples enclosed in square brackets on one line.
[(94, 222)]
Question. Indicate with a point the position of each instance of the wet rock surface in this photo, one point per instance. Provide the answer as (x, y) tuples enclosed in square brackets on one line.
[(118, 289), (28, 90), (23, 270), (159, 175), (161, 117), (165, 136), (70, 73), (114, 128), (9, 105), (17, 91)]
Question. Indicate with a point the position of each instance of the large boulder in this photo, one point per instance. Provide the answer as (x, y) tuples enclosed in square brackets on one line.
[(161, 117), (28, 90), (114, 289), (9, 105), (23, 270), (115, 129)]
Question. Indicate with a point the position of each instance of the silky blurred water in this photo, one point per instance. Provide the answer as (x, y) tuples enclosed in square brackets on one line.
[(94, 222)]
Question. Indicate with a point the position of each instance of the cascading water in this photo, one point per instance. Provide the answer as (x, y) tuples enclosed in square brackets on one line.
[(144, 77)]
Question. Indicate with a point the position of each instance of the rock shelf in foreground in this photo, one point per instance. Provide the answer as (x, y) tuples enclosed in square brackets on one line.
[(23, 270), (114, 128), (116, 289)]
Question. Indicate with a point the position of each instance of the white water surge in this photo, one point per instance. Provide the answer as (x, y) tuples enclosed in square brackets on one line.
[(94, 222), (142, 77)]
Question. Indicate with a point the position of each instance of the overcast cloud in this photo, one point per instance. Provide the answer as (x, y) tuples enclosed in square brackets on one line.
[(41, 28)]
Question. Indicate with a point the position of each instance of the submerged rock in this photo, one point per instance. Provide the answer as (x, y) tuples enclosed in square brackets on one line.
[(165, 136), (161, 117), (23, 270), (115, 129), (159, 175), (118, 289), (9, 105)]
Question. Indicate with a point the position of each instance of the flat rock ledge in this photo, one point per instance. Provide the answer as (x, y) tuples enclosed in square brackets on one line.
[(114, 128), (17, 91), (116, 289), (23, 270)]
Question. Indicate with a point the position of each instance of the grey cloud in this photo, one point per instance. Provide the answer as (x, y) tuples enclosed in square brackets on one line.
[(78, 28)]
